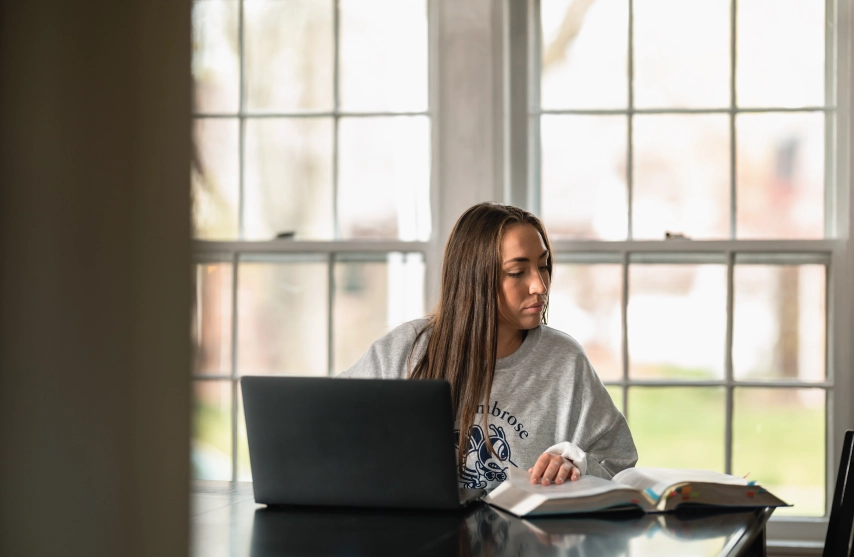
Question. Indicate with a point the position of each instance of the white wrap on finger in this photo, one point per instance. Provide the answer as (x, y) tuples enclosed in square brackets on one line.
[(572, 453)]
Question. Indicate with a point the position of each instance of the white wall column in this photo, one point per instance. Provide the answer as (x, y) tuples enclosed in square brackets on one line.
[(469, 108), (468, 114)]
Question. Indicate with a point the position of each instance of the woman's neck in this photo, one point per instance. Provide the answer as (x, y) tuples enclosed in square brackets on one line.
[(508, 341)]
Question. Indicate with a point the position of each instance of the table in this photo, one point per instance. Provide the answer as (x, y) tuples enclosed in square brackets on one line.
[(227, 522)]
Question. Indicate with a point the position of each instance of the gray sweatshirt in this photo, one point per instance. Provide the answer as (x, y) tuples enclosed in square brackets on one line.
[(545, 398)]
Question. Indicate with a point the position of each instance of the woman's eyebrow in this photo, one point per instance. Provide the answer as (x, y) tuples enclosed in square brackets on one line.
[(525, 259)]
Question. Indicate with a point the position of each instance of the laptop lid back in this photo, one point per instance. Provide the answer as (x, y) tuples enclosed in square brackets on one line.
[(351, 442)]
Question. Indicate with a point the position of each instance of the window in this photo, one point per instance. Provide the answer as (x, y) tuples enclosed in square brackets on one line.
[(689, 159), (311, 187), (685, 157)]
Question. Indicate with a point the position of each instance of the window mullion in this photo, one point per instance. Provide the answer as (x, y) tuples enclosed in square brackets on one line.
[(630, 106), (733, 103), (624, 340), (728, 372), (309, 246), (730, 256), (235, 260), (241, 137), (433, 249), (533, 110), (831, 62), (781, 247), (336, 107)]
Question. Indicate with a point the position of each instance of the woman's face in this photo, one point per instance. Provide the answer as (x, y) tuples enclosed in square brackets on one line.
[(524, 281)]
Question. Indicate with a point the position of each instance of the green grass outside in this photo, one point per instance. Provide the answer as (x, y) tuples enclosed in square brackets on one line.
[(776, 439), (211, 429)]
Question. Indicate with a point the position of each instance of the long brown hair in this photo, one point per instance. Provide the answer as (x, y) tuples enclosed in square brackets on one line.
[(464, 326)]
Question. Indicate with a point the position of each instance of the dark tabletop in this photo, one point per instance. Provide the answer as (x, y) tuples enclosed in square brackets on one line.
[(227, 522)]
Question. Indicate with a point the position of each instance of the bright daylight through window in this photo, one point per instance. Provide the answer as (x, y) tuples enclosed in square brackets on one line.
[(721, 130), (311, 195)]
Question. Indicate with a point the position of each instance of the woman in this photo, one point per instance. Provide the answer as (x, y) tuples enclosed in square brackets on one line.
[(525, 394)]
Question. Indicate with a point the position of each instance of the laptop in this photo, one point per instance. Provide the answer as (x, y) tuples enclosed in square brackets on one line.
[(375, 443)]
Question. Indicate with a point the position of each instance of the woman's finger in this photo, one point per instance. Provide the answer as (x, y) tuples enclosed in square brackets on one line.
[(540, 467), (551, 470), (564, 472), (567, 470)]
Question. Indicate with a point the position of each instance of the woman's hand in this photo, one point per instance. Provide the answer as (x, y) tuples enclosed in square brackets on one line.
[(552, 468)]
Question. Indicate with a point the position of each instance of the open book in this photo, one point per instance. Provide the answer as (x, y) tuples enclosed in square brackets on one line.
[(648, 489)]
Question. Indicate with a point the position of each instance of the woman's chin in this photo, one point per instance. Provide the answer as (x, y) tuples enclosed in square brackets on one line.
[(529, 322)]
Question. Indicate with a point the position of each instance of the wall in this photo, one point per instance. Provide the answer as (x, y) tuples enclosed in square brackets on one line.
[(94, 278)]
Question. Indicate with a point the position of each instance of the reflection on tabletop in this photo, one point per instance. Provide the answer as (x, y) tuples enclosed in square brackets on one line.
[(483, 530), (303, 531)]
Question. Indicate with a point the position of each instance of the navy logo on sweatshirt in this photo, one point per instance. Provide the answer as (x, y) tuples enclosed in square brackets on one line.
[(486, 467)]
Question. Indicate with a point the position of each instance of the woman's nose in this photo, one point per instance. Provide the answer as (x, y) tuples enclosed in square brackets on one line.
[(538, 284)]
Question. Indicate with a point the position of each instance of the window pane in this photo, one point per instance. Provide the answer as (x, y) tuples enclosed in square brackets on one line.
[(216, 66), (780, 183), (779, 322), (215, 178), (676, 321), (288, 178), (212, 319), (211, 442), (779, 439), (584, 302), (384, 183), (289, 54), (384, 55), (780, 53), (682, 53), (584, 177), (282, 316), (678, 427), (584, 57), (681, 176), (371, 298)]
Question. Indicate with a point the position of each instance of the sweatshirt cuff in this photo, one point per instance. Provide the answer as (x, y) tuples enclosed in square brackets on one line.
[(571, 452)]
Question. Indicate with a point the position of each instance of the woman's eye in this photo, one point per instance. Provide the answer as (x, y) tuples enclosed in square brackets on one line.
[(544, 268), (514, 275)]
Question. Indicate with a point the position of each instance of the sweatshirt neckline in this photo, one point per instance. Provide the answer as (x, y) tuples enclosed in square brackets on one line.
[(528, 345)]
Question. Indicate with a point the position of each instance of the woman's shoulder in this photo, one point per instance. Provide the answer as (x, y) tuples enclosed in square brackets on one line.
[(388, 355), (405, 333), (561, 350), (411, 328), (555, 338)]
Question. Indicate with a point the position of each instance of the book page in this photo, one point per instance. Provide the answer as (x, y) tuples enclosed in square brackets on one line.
[(658, 480), (519, 496), (585, 486)]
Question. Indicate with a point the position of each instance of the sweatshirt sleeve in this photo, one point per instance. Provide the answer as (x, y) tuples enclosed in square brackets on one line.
[(596, 436), (613, 452)]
